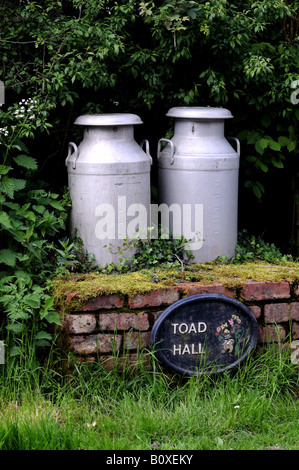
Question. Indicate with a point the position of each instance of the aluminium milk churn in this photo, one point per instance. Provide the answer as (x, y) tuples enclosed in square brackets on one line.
[(109, 183), (198, 174)]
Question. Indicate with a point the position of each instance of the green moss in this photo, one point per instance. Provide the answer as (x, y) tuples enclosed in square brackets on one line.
[(87, 287), (70, 294)]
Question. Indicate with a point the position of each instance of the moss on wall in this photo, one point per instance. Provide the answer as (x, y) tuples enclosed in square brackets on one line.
[(87, 287)]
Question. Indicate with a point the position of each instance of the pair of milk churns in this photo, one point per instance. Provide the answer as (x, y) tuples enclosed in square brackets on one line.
[(109, 181)]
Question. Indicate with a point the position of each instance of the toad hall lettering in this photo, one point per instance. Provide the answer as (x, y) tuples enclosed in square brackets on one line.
[(186, 329), (204, 334)]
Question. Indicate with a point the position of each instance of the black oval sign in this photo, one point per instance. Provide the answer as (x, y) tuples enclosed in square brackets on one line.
[(203, 334)]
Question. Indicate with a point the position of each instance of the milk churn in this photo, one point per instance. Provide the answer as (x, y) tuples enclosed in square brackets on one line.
[(109, 182), (198, 181)]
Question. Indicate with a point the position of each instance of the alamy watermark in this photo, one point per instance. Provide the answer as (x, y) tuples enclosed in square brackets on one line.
[(295, 94), (2, 93), (130, 222), (2, 352)]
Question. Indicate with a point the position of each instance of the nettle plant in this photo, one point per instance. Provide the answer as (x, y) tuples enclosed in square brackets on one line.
[(29, 220)]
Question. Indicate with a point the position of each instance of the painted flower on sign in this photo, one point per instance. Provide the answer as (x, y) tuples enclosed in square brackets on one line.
[(231, 335)]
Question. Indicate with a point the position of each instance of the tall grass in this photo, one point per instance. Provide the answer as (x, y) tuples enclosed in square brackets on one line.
[(253, 407)]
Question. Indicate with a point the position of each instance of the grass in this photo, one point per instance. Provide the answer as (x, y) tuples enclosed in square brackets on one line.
[(254, 407)]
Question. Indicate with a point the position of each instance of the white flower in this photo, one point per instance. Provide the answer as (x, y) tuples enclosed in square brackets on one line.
[(91, 425), (237, 406)]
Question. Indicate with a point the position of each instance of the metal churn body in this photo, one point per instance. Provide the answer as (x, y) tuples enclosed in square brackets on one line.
[(198, 174), (109, 183)]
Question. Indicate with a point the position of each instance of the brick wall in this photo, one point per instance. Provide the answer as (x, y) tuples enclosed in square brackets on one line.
[(116, 325)]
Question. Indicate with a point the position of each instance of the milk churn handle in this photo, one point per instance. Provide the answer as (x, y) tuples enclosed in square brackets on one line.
[(70, 154), (237, 142), (171, 149), (147, 150)]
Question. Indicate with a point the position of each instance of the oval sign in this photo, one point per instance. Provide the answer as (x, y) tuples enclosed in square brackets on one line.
[(204, 334)]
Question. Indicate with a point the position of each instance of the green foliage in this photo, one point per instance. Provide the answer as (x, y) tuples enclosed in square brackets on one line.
[(29, 219), (151, 252), (252, 247), (60, 59), (71, 257)]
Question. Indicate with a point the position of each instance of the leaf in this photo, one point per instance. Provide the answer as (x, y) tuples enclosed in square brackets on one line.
[(263, 166), (32, 300), (274, 145), (278, 163), (4, 169), (7, 257), (283, 140), (51, 317), (15, 327), (57, 205), (251, 159), (15, 351), (41, 343), (43, 335), (257, 191), (23, 275), (291, 146), (5, 220), (19, 184), (242, 135), (40, 209), (219, 441), (49, 302), (266, 120), (263, 143), (7, 186), (27, 162)]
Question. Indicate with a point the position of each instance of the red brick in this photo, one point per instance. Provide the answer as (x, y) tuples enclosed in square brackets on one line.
[(295, 330), (103, 301), (92, 344), (134, 340), (277, 313), (255, 310), (157, 314), (196, 288), (296, 290), (155, 298), (265, 290), (77, 324), (124, 321), (295, 311), (270, 333)]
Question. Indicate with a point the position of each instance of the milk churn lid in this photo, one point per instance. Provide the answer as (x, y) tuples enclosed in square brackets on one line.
[(109, 119), (199, 112)]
